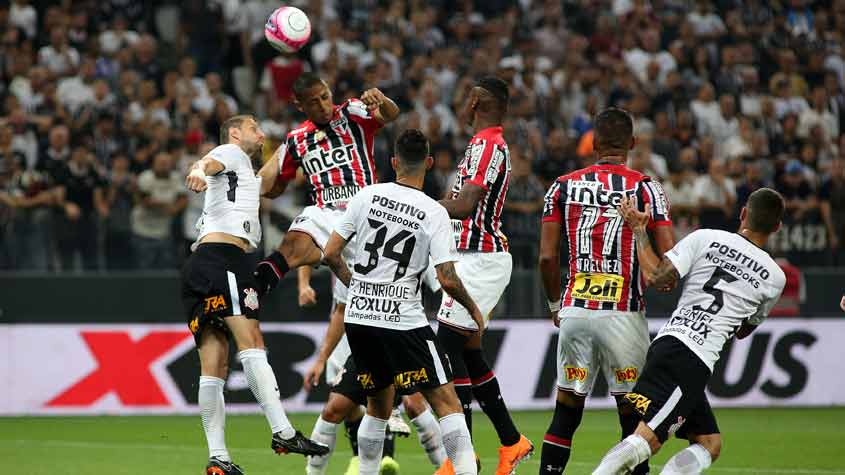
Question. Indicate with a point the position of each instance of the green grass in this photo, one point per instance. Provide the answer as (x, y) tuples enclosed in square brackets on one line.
[(764, 441)]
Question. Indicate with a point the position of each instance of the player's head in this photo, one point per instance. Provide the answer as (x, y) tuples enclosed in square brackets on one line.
[(488, 100), (762, 212), (614, 132), (412, 157), (242, 130), (313, 98)]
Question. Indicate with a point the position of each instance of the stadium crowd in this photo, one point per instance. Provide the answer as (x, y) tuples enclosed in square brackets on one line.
[(106, 103)]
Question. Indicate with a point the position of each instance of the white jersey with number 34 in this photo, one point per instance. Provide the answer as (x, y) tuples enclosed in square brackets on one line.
[(729, 280), (398, 231), (232, 197)]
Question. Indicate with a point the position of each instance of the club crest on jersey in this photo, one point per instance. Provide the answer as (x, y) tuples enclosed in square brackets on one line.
[(593, 193), (251, 299)]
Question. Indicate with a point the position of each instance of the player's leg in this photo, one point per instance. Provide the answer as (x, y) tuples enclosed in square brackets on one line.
[(336, 410), (453, 341), (427, 427), (456, 438), (702, 431), (372, 429), (575, 377)]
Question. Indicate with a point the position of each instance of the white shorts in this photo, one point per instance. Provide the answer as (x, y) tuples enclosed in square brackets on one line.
[(485, 275), (609, 341), (319, 223)]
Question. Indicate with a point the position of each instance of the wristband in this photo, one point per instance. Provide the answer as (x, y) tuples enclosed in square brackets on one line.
[(554, 306)]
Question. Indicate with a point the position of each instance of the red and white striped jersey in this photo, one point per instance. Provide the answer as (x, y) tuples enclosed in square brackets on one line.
[(487, 164), (337, 158), (604, 272)]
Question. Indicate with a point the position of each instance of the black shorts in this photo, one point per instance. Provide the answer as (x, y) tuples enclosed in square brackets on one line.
[(217, 282), (408, 359), (349, 386), (669, 394)]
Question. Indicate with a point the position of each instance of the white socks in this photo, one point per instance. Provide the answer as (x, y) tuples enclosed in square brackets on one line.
[(624, 456), (428, 431), (324, 433), (213, 414), (370, 444), (458, 444), (692, 460), (262, 383)]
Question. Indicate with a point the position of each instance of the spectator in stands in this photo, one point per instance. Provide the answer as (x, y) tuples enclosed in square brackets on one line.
[(161, 196), (59, 57), (796, 190), (832, 206), (80, 191), (681, 194), (818, 114), (716, 195), (522, 210)]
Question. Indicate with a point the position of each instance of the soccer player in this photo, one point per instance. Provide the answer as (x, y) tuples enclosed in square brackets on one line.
[(399, 230), (347, 396), (601, 319), (731, 285), (334, 147), (220, 296), (484, 264)]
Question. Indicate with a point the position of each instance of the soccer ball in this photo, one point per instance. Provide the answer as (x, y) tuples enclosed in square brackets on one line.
[(287, 29)]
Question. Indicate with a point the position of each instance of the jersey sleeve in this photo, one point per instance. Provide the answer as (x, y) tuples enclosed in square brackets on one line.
[(767, 305), (551, 207), (362, 116), (442, 248), (486, 162), (347, 223), (685, 252), (287, 161), (654, 194), (226, 154)]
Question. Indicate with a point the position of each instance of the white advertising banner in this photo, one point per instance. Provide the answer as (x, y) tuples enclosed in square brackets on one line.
[(153, 368)]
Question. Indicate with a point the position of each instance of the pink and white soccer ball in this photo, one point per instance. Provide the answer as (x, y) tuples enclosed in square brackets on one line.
[(288, 29)]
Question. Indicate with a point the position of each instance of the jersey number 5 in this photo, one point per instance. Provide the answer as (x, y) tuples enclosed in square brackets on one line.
[(403, 257), (718, 296)]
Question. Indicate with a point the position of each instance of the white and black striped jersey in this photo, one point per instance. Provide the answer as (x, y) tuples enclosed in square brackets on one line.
[(729, 280), (399, 232), (232, 197)]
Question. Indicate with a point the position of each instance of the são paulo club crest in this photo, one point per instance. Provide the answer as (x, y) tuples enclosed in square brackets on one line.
[(251, 298)]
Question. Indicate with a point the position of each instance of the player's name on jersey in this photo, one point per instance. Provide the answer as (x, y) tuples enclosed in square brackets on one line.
[(608, 266), (318, 160), (384, 206), (737, 263), (390, 291), (593, 193), (338, 194)]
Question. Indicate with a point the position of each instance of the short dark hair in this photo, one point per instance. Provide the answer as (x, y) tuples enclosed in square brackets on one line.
[(497, 88), (233, 122), (412, 147), (613, 129), (765, 210), (305, 81)]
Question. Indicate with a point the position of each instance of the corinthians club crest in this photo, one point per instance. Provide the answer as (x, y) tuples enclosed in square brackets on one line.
[(251, 298)]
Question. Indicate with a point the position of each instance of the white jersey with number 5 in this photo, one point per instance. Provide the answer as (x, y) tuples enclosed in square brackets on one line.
[(729, 280), (232, 197), (398, 230)]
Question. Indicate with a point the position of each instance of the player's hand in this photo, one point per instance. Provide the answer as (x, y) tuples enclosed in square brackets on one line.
[(307, 296), (196, 181), (635, 218), (842, 303), (555, 319), (479, 320), (668, 288), (312, 376), (373, 98)]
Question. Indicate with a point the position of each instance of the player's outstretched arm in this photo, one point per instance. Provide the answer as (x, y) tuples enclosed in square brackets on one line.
[(657, 272), (453, 286), (384, 109), (334, 333), (465, 203), (206, 166), (334, 259), (271, 186), (549, 264)]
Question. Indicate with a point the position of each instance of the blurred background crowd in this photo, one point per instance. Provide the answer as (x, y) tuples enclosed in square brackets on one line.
[(105, 103)]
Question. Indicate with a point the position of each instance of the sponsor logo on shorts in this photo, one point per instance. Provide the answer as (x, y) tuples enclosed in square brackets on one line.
[(598, 287), (626, 375), (300, 219), (251, 298), (194, 325), (573, 373), (246, 226), (639, 402), (674, 427), (366, 380), (215, 303), (410, 378)]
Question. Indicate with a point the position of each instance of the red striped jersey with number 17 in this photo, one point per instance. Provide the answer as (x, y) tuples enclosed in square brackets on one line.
[(603, 270), (487, 164), (337, 158)]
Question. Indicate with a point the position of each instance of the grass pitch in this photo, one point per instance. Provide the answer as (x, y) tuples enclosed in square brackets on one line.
[(756, 441)]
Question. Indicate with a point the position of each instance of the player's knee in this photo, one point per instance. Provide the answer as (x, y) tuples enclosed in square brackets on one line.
[(711, 442), (333, 413), (476, 364), (570, 399), (414, 405)]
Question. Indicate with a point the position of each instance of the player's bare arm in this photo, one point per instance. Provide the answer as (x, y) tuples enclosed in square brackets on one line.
[(270, 186), (334, 333), (307, 295), (549, 264), (663, 238), (466, 201), (334, 259), (206, 166), (384, 109), (658, 272), (745, 329), (453, 286)]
